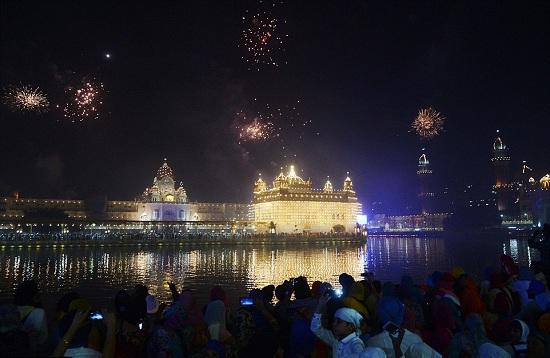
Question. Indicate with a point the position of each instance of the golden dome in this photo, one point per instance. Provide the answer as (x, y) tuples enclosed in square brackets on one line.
[(545, 181), (328, 186), (293, 178), (348, 184), (259, 185), (281, 176), (164, 171)]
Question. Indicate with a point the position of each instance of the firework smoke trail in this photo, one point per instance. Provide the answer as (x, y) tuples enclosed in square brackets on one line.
[(84, 101), (428, 124), (26, 99)]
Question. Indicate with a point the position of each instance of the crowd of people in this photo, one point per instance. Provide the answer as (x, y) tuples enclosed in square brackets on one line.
[(507, 314)]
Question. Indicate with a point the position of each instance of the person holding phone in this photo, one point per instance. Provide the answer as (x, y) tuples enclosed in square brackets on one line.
[(393, 340), (81, 337)]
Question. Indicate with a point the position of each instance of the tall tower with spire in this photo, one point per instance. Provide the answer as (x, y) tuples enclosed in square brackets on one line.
[(501, 164), (424, 173)]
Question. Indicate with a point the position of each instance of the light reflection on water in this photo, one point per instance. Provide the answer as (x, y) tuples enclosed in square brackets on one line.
[(98, 272)]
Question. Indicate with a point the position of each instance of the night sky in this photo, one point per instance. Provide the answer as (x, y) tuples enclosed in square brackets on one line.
[(360, 70)]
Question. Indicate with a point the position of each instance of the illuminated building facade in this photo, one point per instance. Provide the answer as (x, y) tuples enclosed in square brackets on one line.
[(423, 222), (523, 200), (503, 188), (426, 194), (293, 206), (15, 208), (162, 202)]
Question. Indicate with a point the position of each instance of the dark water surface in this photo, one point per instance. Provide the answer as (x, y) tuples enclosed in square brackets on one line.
[(98, 272)]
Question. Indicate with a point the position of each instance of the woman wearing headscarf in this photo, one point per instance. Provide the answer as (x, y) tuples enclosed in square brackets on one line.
[(130, 312), (413, 299), (469, 296), (356, 299), (519, 333), (183, 326), (441, 335), (447, 297), (215, 320)]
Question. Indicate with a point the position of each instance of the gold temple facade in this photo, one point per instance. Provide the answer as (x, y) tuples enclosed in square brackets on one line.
[(293, 206)]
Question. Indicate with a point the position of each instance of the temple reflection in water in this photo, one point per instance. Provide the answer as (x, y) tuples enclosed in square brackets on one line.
[(99, 272)]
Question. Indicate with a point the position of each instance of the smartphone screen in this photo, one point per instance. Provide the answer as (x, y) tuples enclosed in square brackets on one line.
[(96, 315), (246, 301)]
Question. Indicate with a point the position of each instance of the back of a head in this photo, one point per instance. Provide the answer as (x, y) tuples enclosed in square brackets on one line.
[(390, 309), (25, 294), (217, 293), (141, 290), (267, 292), (123, 304), (301, 289), (345, 280), (280, 292)]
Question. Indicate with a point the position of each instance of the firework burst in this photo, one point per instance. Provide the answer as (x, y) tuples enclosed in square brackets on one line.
[(257, 130), (26, 99), (428, 123), (84, 101), (261, 40)]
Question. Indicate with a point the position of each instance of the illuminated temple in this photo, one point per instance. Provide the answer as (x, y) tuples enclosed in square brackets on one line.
[(292, 205), (161, 202)]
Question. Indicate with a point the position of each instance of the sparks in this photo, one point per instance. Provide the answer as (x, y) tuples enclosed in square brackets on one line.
[(26, 99), (256, 131), (428, 123), (84, 101), (261, 40)]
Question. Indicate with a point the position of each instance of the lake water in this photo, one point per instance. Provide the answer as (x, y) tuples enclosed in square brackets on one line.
[(98, 272)]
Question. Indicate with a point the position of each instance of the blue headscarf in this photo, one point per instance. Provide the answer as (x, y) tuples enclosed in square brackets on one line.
[(391, 309)]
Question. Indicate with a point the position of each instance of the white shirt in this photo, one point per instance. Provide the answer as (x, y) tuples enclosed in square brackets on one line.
[(383, 340), (490, 350), (82, 352), (35, 322), (351, 346)]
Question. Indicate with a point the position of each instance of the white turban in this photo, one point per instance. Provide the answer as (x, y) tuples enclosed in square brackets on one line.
[(351, 316)]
